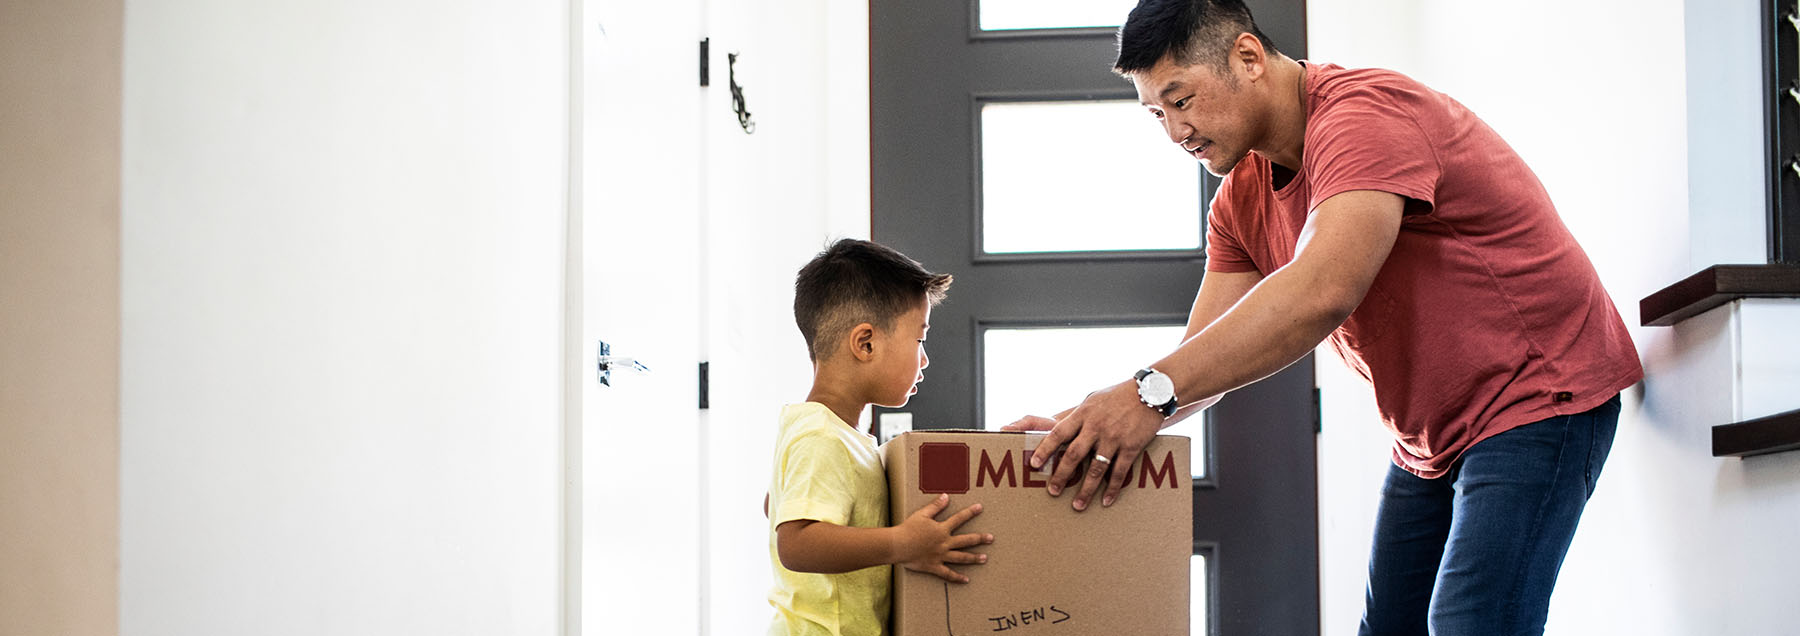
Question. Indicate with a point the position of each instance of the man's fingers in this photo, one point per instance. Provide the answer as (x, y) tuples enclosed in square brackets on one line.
[(1126, 461), (1092, 479), (1065, 474), (1030, 423), (1059, 433)]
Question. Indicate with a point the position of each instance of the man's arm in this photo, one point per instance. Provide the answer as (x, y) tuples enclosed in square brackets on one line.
[(1277, 321), (1218, 292)]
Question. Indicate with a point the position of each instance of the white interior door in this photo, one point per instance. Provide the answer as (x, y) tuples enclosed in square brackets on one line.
[(640, 205)]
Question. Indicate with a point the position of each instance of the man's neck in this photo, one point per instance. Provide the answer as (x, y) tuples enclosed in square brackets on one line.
[(1287, 123)]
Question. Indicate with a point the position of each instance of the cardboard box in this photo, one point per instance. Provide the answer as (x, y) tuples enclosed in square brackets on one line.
[(1051, 570)]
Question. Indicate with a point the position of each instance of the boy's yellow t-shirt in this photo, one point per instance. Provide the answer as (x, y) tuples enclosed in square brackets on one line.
[(827, 471)]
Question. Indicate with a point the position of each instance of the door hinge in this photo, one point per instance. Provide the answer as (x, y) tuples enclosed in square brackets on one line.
[(1318, 412), (705, 386), (705, 61)]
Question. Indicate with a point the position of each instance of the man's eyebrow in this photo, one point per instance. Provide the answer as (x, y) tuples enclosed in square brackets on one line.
[(1172, 87)]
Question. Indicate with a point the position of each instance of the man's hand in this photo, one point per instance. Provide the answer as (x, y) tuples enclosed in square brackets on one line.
[(1031, 423), (1111, 423), (925, 544)]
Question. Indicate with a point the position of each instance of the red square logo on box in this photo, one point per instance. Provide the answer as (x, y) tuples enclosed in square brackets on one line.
[(943, 468)]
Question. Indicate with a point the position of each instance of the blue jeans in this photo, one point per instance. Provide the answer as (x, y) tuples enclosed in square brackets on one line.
[(1476, 551)]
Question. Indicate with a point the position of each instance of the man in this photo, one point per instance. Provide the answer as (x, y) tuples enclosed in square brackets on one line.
[(1363, 208)]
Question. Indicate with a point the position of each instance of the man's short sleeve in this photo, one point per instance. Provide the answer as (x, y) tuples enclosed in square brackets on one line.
[(816, 481), (1225, 253), (1367, 139)]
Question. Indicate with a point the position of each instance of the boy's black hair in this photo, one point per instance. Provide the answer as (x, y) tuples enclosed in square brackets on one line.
[(1192, 31), (853, 282)]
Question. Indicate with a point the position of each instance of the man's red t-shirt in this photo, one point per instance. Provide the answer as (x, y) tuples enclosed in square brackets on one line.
[(1487, 315)]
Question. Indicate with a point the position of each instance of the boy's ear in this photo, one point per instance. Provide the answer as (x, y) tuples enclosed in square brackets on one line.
[(862, 341)]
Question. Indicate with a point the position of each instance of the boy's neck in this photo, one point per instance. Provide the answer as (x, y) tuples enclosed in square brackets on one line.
[(847, 408)]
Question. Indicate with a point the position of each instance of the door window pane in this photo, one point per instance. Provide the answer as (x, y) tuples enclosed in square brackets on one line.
[(1041, 371), (1002, 15), (1083, 176), (1198, 601)]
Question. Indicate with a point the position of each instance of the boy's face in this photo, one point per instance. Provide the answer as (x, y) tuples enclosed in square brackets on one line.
[(899, 369)]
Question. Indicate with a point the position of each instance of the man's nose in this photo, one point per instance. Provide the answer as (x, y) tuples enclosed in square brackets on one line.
[(1178, 132)]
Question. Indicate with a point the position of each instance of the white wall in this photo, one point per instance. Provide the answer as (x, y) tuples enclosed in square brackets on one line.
[(1637, 116), (342, 302)]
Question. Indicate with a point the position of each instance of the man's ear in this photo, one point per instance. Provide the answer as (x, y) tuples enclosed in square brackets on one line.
[(862, 341), (1247, 53)]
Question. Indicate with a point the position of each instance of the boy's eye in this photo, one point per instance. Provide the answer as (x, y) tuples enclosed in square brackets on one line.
[(1182, 103)]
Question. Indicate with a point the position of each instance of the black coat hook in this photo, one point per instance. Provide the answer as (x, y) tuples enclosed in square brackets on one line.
[(737, 97)]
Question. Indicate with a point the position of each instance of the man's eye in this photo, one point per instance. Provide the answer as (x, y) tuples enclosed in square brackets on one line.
[(1182, 103)]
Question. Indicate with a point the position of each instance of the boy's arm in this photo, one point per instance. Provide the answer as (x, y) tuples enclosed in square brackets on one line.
[(920, 543)]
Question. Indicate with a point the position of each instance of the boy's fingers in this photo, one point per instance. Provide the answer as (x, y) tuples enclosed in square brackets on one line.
[(944, 572), (964, 557), (962, 516), (967, 540), (931, 510)]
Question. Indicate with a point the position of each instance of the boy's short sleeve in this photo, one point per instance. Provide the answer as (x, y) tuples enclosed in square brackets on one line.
[(816, 481)]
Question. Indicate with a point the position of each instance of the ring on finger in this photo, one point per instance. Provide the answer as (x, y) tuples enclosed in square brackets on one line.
[(1102, 459)]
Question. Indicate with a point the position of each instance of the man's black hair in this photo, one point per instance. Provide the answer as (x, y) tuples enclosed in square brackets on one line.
[(1192, 31), (853, 282)]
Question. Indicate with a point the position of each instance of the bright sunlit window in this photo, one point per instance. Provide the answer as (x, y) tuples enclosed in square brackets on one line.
[(1198, 601), (1071, 176), (1003, 15), (1040, 371)]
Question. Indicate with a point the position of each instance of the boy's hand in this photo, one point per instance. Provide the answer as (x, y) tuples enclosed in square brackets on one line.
[(926, 544)]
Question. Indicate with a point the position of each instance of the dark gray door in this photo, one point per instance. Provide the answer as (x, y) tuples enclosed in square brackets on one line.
[(943, 82)]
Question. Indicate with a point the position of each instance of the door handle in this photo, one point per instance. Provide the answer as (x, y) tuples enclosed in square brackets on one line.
[(608, 362)]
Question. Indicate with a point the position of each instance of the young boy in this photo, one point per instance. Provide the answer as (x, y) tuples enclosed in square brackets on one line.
[(863, 309)]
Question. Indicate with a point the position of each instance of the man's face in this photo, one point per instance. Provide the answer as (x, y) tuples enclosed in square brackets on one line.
[(1202, 108)]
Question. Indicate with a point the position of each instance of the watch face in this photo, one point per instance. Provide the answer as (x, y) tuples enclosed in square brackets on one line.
[(1156, 389)]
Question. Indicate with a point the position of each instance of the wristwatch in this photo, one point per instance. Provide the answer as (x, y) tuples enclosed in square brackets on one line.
[(1156, 390)]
